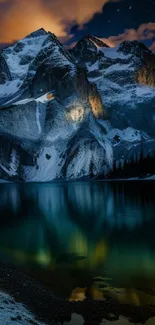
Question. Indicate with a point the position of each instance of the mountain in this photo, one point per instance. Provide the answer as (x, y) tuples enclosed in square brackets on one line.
[(69, 113), (87, 50)]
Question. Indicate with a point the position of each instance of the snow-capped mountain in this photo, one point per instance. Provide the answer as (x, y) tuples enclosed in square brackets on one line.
[(68, 113)]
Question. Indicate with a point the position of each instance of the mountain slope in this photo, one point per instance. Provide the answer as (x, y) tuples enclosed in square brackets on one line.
[(68, 114), (124, 77)]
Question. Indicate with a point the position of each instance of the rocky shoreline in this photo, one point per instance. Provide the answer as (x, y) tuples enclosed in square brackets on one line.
[(51, 309)]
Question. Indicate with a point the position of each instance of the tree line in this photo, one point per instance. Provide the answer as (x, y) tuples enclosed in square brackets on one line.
[(138, 166)]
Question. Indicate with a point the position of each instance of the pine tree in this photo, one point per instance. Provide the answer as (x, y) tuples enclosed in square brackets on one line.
[(138, 166)]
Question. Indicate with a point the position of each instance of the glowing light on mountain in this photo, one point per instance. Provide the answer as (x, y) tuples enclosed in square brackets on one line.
[(75, 115), (49, 96)]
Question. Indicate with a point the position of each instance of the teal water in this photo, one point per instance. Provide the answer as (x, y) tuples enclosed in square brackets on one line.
[(82, 238)]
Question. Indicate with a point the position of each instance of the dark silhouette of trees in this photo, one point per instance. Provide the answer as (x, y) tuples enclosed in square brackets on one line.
[(137, 166)]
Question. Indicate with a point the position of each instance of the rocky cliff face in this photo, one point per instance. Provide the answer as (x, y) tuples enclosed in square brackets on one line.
[(146, 74), (66, 114)]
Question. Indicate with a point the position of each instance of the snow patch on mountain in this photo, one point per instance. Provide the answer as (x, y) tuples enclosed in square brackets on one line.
[(24, 101), (95, 161), (59, 60), (129, 134), (23, 60), (118, 67), (42, 99), (45, 98), (145, 91), (10, 87), (14, 162), (130, 94), (20, 55), (38, 118), (7, 170), (48, 165), (113, 53), (92, 67)]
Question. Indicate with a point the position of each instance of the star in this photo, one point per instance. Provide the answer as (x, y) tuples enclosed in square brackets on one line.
[(118, 9), (130, 7)]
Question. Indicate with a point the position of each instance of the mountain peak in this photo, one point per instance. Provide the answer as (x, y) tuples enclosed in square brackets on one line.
[(36, 33), (96, 41), (133, 47), (89, 42)]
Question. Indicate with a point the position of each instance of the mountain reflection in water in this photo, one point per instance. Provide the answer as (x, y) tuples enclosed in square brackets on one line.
[(82, 239)]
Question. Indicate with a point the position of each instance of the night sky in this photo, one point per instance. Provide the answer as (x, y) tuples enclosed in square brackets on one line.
[(113, 21)]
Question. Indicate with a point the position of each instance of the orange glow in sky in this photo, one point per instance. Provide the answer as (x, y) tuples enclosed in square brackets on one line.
[(24, 16)]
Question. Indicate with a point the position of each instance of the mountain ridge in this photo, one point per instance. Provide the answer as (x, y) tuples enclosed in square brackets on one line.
[(70, 113)]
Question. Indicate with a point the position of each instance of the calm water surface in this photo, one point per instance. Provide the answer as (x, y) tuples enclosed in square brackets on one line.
[(93, 239)]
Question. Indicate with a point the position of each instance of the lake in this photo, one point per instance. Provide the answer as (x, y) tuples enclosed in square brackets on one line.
[(82, 239)]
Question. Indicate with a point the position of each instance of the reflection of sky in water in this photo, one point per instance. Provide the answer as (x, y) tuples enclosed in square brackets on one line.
[(90, 229)]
